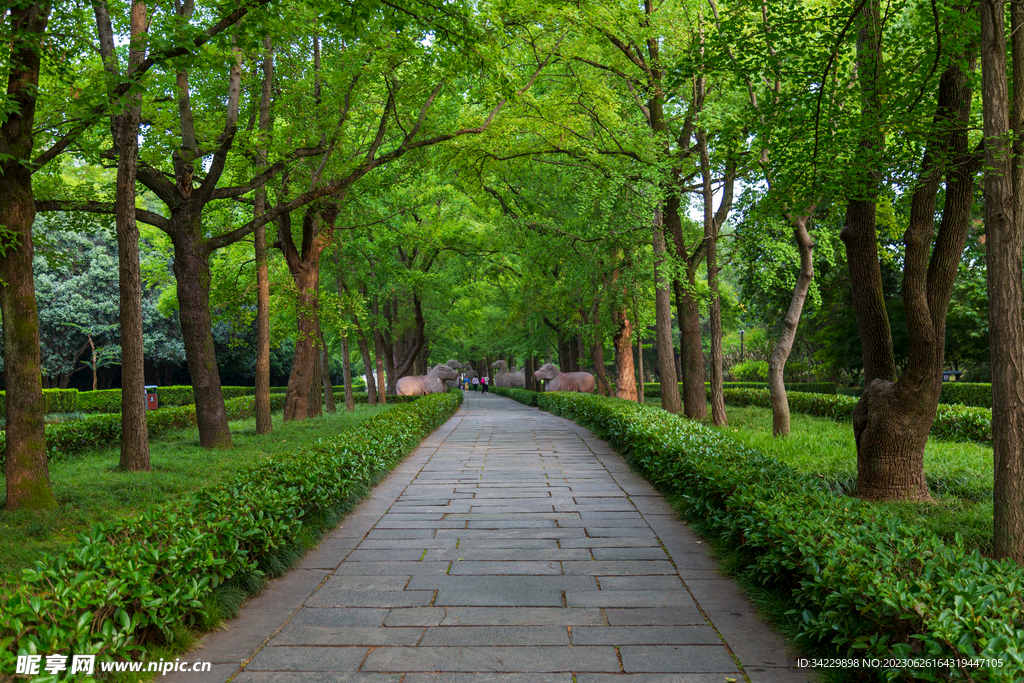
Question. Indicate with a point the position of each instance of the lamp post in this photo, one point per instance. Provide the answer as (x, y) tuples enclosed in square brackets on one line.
[(741, 346)]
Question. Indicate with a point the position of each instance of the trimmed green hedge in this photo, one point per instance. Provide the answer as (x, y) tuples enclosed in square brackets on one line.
[(967, 393), (522, 395), (953, 422), (865, 585), (653, 389), (54, 401), (140, 581), (67, 438), (109, 400)]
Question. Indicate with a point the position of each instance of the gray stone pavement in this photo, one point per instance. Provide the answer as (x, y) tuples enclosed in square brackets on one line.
[(512, 546)]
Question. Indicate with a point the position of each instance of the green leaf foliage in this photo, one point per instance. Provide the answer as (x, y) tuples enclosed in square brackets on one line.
[(866, 584), (135, 582)]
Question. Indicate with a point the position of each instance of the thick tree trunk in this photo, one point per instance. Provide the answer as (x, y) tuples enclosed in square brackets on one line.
[(780, 354), (663, 315), (892, 420), (346, 370), (1004, 231), (859, 232), (695, 400), (192, 272), (306, 358), (28, 480), (264, 425), (134, 437), (625, 378)]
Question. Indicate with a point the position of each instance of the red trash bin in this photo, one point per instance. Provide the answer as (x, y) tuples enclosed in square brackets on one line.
[(151, 400)]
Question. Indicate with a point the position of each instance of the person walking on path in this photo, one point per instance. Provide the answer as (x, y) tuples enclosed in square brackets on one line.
[(483, 383), (476, 383)]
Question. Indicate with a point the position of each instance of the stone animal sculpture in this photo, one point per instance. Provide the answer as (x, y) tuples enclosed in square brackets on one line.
[(431, 383), (456, 366), (582, 382), (504, 378), (470, 372)]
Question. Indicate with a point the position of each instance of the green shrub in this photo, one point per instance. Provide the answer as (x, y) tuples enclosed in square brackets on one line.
[(100, 401), (750, 371), (522, 395), (54, 401), (954, 422), (967, 393), (135, 582), (864, 585)]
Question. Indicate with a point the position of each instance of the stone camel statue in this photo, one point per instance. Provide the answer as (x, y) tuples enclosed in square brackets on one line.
[(431, 383), (504, 378), (566, 381), (470, 371), (456, 366)]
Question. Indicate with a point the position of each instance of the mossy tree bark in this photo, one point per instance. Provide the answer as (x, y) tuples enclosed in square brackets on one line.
[(28, 479)]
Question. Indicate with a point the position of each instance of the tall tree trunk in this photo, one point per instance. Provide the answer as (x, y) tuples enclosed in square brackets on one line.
[(625, 378), (780, 354), (663, 316), (695, 400), (306, 358), (892, 419), (28, 479), (859, 233), (325, 373), (718, 415), (264, 425), (371, 381), (192, 272), (316, 382), (1004, 231), (379, 353), (346, 370), (640, 367), (134, 437)]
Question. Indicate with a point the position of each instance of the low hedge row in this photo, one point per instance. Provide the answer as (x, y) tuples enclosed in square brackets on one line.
[(54, 401), (109, 400), (653, 389), (129, 583), (865, 585), (953, 422), (67, 438)]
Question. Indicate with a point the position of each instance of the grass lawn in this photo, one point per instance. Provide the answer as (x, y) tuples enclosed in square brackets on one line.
[(959, 474), (90, 489)]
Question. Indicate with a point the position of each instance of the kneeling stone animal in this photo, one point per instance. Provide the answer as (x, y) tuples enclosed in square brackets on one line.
[(431, 383), (582, 382)]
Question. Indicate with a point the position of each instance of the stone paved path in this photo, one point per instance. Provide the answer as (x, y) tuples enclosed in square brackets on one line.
[(511, 546)]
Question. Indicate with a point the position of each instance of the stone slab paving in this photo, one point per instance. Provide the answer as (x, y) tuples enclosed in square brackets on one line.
[(511, 547)]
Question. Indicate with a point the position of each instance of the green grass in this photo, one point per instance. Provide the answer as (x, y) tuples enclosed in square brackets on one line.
[(90, 489), (959, 474)]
